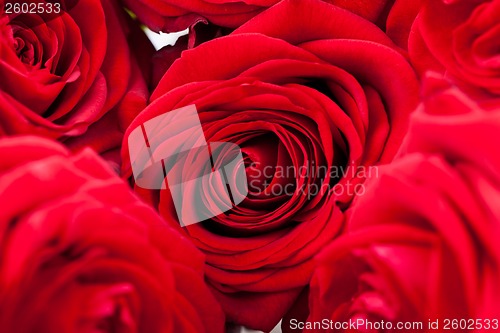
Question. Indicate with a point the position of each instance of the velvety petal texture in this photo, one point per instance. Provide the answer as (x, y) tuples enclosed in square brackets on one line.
[(330, 92), (81, 253), (172, 15), (422, 242), (63, 73)]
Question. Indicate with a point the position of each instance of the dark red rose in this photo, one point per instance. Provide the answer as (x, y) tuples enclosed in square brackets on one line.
[(328, 91), (62, 74), (422, 243), (79, 252), (172, 15), (208, 20), (459, 38)]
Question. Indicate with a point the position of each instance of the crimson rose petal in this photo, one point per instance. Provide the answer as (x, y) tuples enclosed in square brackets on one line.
[(81, 253), (422, 243), (62, 74)]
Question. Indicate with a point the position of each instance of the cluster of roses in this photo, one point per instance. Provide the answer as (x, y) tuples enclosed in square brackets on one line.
[(410, 86)]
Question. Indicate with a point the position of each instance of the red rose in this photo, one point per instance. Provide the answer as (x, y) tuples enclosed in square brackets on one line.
[(81, 253), (63, 73), (172, 15), (328, 91), (459, 38), (208, 20), (422, 244)]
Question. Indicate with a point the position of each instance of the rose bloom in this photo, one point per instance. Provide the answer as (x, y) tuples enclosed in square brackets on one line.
[(172, 15), (81, 253), (329, 91), (208, 20), (65, 75), (422, 243), (459, 38)]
